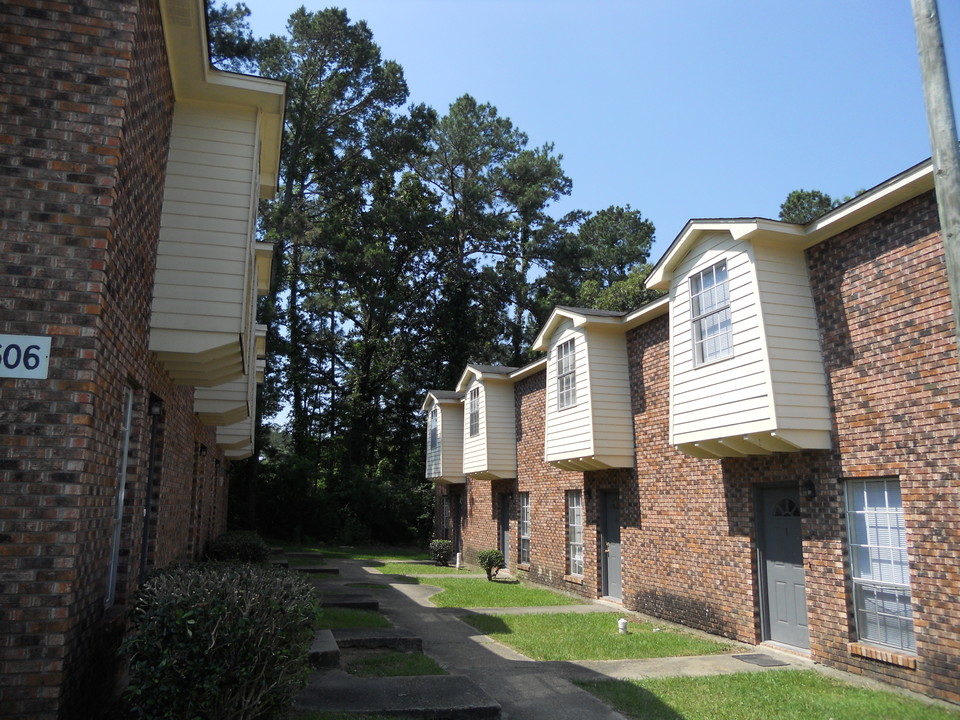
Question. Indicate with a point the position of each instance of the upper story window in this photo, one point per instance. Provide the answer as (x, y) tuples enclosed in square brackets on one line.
[(710, 312), (566, 375), (473, 409), (434, 439), (878, 558)]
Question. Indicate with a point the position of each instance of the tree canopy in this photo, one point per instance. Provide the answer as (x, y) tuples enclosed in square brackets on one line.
[(407, 243)]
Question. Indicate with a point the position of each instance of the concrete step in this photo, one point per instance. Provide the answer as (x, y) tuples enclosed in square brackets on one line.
[(324, 651), (280, 563), (437, 697), (306, 554), (349, 600), (369, 638)]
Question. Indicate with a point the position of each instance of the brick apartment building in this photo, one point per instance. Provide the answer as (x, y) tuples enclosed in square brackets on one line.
[(131, 171), (768, 453)]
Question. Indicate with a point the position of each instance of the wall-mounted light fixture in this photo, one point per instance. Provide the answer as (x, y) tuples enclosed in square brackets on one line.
[(808, 488), (203, 451), (155, 407)]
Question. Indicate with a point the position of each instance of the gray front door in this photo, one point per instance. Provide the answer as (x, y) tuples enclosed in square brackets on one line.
[(781, 555), (610, 543), (503, 527)]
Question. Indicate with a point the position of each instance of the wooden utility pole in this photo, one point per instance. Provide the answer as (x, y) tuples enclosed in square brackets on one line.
[(943, 139)]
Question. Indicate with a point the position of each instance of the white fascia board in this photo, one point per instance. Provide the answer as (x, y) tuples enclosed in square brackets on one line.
[(890, 193), (194, 78), (528, 370), (647, 313)]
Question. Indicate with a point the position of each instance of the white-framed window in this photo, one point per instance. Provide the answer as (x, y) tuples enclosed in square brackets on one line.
[(574, 532), (566, 375), (126, 435), (878, 560), (473, 410), (433, 438), (524, 527), (710, 313)]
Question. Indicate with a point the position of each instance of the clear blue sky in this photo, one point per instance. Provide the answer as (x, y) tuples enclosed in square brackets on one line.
[(686, 108)]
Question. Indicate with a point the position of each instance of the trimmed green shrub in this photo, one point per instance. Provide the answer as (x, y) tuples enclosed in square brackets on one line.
[(491, 561), (219, 641), (440, 551), (241, 545)]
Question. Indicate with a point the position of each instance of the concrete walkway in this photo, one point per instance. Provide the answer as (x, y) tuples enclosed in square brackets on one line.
[(525, 689)]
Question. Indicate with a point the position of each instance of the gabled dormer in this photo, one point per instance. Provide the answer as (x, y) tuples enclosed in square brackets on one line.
[(444, 410), (489, 422), (746, 371), (588, 424)]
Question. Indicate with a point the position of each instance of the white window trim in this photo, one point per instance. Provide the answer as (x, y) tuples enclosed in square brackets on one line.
[(566, 368), (890, 624), (574, 532), (523, 528), (715, 312), (473, 411), (125, 440), (433, 436)]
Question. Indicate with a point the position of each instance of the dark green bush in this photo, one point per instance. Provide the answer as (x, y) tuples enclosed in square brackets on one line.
[(491, 561), (440, 551), (218, 641), (241, 545)]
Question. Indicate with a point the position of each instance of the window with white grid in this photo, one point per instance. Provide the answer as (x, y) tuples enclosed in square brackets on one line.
[(473, 409), (566, 375), (574, 532), (710, 313), (434, 435), (878, 558), (524, 527)]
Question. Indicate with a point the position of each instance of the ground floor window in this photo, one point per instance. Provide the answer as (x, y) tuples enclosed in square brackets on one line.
[(126, 436), (574, 532), (524, 527), (878, 558)]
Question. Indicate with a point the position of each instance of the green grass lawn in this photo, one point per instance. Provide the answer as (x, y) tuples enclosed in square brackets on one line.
[(388, 663), (589, 636), (333, 618), (479, 592), (418, 568), (779, 695), (362, 552)]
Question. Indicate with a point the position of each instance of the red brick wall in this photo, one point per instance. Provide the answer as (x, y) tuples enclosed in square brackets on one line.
[(690, 559), (85, 112), (890, 354)]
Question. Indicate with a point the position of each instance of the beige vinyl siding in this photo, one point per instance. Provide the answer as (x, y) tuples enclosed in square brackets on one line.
[(206, 251), (450, 432), (792, 338), (734, 391), (433, 453), (445, 461), (500, 424), (609, 382), (474, 448), (569, 431), (493, 451)]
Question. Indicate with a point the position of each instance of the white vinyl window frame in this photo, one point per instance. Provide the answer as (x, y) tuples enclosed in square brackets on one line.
[(710, 314), (126, 435), (523, 528), (566, 367), (433, 436), (473, 411), (879, 564), (574, 532)]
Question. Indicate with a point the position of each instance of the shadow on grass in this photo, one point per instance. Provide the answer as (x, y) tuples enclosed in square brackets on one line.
[(626, 696)]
